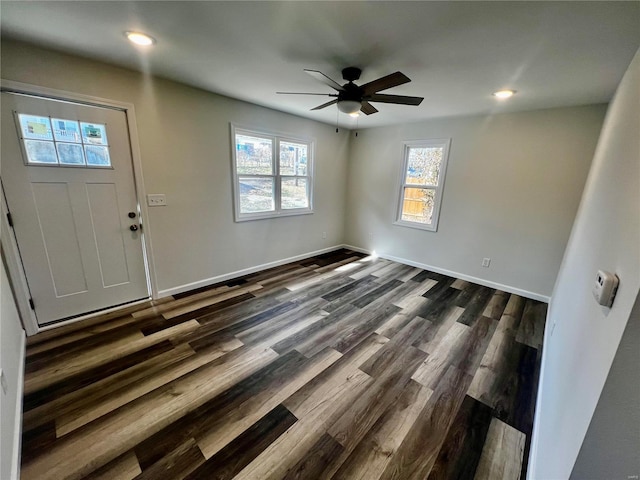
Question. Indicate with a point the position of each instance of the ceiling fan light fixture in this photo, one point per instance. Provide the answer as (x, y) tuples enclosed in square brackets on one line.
[(503, 94), (354, 114), (349, 106), (140, 38)]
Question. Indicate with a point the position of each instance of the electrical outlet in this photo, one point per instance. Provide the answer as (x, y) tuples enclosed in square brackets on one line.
[(324, 234), (156, 200), (486, 262)]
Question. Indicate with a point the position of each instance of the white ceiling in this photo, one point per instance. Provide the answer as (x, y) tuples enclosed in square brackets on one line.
[(456, 53)]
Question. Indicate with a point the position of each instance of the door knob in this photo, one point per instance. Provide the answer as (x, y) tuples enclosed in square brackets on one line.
[(133, 228), (131, 214)]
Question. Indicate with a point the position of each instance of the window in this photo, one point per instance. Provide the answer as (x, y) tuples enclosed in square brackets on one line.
[(63, 142), (422, 179), (272, 175)]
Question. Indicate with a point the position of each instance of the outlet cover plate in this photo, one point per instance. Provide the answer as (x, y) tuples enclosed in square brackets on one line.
[(156, 200)]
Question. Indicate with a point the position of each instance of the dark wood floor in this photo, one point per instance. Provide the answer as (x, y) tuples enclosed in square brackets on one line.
[(339, 366)]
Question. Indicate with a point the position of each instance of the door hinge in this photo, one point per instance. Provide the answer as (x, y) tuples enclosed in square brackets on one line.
[(31, 304), (10, 219)]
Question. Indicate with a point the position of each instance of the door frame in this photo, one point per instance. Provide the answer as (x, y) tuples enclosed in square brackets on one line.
[(9, 244)]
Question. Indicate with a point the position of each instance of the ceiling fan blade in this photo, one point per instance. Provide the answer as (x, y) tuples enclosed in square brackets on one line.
[(392, 80), (303, 93), (400, 99), (368, 109), (325, 104), (321, 77)]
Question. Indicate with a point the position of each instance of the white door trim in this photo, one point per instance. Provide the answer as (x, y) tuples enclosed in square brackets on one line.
[(9, 244)]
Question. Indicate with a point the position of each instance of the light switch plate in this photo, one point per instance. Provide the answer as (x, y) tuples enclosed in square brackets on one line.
[(156, 200)]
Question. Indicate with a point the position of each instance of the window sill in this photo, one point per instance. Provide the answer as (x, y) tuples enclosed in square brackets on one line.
[(417, 226), (271, 215)]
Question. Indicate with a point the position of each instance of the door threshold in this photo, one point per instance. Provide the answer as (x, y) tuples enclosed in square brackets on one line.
[(85, 316)]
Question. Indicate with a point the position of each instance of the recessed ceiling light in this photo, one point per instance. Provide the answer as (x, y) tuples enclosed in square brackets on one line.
[(504, 93), (140, 38)]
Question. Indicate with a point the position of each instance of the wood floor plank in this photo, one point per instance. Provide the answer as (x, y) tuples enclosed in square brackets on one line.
[(225, 464), (460, 453), (502, 453), (476, 306), (316, 406), (125, 467), (117, 433), (57, 371), (314, 462), (177, 464), (94, 392), (237, 419), (373, 453), (109, 401), (496, 306), (419, 450), (438, 329), (531, 330), (357, 420), (431, 371)]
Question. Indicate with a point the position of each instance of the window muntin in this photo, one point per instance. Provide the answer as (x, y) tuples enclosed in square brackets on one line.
[(63, 142), (421, 185), (272, 175)]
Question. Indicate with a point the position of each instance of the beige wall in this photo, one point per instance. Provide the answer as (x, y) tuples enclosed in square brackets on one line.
[(186, 154), (582, 337), (512, 189), (11, 363)]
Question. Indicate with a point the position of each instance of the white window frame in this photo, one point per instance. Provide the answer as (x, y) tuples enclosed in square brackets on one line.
[(275, 138), (443, 143)]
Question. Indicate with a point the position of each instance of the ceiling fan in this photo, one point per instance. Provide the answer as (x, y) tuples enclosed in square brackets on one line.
[(352, 98)]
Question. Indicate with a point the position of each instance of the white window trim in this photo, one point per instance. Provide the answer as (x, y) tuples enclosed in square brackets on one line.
[(276, 138), (438, 142)]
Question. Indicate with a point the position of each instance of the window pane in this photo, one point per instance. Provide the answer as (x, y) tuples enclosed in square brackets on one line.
[(294, 193), (66, 130), (293, 158), (97, 156), (423, 165), (94, 133), (256, 195), (70, 153), (418, 205), (40, 152), (254, 155), (35, 127)]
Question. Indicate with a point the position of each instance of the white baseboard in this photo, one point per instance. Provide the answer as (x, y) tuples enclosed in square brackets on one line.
[(239, 273), (17, 428), (462, 276)]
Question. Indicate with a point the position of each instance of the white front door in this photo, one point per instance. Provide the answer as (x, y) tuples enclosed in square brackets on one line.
[(68, 178)]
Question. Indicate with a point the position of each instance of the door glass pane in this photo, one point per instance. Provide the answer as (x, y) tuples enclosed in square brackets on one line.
[(35, 127), (66, 130), (294, 193), (40, 152), (423, 165), (417, 205), (293, 158), (256, 195), (70, 153), (94, 133), (254, 155), (97, 156)]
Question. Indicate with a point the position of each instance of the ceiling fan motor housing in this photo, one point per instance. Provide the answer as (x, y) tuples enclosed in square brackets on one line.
[(351, 74)]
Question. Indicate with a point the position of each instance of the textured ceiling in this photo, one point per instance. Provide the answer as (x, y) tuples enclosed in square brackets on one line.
[(456, 53)]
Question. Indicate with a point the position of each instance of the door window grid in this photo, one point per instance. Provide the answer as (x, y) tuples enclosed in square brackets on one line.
[(63, 142)]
